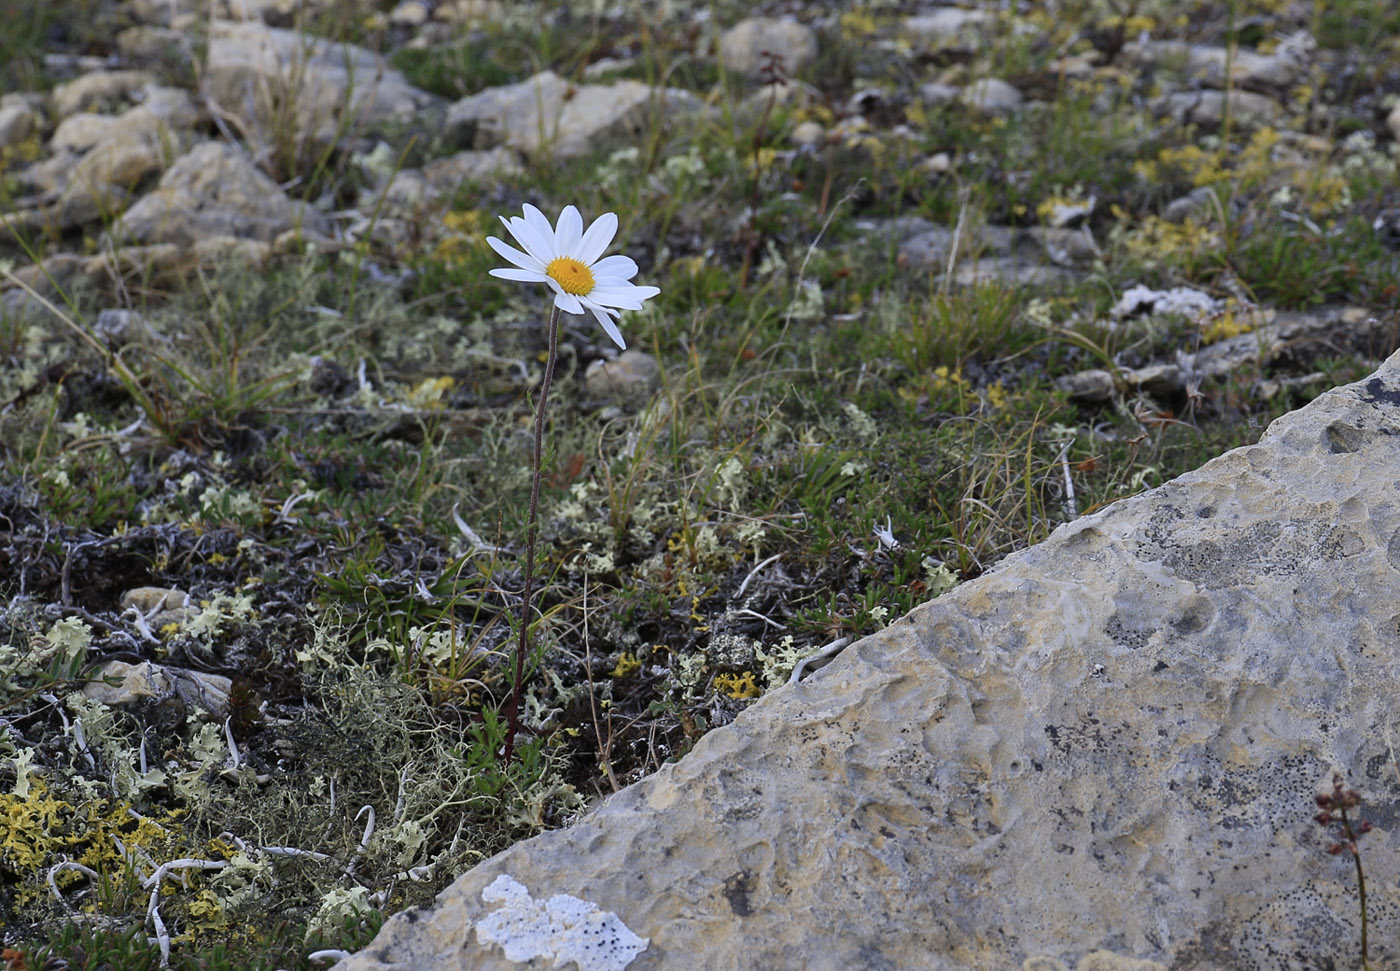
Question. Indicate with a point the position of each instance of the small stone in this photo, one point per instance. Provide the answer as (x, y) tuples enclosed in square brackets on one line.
[(447, 175), (808, 133), (469, 12), (547, 114), (1160, 381), (151, 45), (137, 682), (146, 681), (1094, 386), (938, 163), (80, 132), (1066, 247), (991, 95), (100, 89), (937, 93), (1198, 205), (1207, 64), (744, 48), (17, 122), (410, 13), (1392, 122), (949, 28), (1206, 108), (151, 600), (632, 374)]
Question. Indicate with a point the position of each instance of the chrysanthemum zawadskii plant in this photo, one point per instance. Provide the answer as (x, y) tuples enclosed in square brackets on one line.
[(570, 261)]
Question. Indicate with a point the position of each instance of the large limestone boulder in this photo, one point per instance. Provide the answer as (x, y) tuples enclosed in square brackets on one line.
[(1102, 754)]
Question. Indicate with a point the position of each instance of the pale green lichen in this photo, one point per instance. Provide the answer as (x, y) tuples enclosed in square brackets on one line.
[(220, 614), (779, 659)]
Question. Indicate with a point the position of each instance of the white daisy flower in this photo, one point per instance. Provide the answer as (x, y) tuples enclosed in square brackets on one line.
[(567, 258)]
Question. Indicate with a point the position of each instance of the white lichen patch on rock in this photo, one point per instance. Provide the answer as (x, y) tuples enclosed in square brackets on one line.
[(563, 927)]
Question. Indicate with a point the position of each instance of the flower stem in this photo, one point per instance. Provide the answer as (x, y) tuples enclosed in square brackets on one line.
[(1360, 886), (513, 712)]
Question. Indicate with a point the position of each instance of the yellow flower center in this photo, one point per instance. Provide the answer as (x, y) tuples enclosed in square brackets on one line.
[(572, 275)]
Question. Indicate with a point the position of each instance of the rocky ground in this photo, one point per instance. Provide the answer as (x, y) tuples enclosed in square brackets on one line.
[(934, 280)]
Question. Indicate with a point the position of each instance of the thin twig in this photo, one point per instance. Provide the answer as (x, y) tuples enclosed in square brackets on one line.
[(753, 573)]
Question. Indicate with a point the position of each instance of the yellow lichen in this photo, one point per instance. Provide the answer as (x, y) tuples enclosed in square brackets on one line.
[(627, 665), (737, 686)]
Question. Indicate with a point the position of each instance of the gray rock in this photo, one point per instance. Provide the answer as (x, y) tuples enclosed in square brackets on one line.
[(931, 248), (214, 190), (808, 134), (1093, 386), (156, 46), (949, 28), (1199, 205), (1392, 122), (1284, 67), (1207, 108), (100, 89), (98, 159), (146, 682), (410, 13), (1066, 247), (1012, 270), (80, 132), (17, 122), (1102, 752), (119, 150), (633, 374), (742, 48), (470, 12), (546, 113), (165, 13), (447, 175), (991, 95), (320, 91), (83, 202), (936, 93)]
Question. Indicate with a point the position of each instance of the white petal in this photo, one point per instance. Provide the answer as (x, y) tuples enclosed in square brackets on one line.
[(523, 276), (596, 240), (538, 246), (618, 266), (617, 297), (569, 231), (626, 296), (523, 260), (539, 222), (567, 302), (609, 327)]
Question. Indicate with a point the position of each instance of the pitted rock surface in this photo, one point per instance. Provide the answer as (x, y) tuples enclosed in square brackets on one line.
[(1103, 753)]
